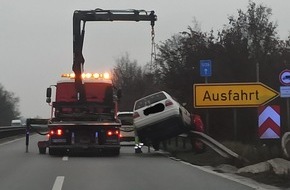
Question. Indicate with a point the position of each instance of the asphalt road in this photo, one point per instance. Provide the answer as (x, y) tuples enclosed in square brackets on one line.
[(148, 171)]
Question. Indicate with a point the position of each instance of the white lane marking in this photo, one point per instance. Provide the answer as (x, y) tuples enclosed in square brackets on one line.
[(65, 158), (12, 141), (254, 186), (175, 159), (243, 181), (58, 183)]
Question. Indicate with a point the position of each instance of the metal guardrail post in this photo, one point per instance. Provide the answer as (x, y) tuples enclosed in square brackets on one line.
[(183, 138), (27, 134), (184, 143)]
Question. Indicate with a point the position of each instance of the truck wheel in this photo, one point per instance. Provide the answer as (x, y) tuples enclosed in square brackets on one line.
[(42, 150), (42, 146)]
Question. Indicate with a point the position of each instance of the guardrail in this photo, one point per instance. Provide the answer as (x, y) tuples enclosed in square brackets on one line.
[(216, 146), (8, 131)]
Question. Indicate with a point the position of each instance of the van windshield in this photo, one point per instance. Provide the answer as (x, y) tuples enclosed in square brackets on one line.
[(126, 119)]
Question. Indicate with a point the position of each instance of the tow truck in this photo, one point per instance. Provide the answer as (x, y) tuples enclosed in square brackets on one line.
[(89, 125), (83, 116)]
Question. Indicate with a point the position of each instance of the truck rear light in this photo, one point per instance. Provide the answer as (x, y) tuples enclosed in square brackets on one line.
[(135, 115), (109, 133), (113, 132), (168, 103), (112, 136), (59, 132)]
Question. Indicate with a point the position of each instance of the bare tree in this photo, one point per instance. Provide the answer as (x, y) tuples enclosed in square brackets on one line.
[(8, 107), (128, 76)]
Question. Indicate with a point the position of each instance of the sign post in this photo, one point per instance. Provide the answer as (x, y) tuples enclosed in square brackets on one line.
[(205, 71), (284, 78)]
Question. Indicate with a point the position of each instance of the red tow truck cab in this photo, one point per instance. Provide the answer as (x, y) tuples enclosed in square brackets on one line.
[(89, 124)]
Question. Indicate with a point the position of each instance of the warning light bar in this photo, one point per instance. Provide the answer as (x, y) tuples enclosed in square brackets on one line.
[(88, 76)]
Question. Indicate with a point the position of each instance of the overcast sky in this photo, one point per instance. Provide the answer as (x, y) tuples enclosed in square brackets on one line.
[(36, 38)]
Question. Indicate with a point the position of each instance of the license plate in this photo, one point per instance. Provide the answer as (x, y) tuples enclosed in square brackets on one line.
[(127, 129), (59, 140), (84, 140)]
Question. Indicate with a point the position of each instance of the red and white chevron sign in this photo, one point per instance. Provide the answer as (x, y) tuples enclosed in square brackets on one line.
[(269, 122)]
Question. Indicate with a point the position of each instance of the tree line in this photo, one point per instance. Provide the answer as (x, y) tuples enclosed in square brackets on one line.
[(8, 107), (247, 49)]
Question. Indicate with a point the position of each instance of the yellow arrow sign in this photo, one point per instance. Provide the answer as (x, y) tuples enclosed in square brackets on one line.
[(232, 95)]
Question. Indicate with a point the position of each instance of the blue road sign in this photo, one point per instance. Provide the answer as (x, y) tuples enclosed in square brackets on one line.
[(205, 68)]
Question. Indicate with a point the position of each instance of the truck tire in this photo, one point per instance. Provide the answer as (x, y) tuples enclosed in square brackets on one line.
[(42, 147), (42, 150)]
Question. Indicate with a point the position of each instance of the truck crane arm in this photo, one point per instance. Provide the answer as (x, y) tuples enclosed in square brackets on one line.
[(80, 18)]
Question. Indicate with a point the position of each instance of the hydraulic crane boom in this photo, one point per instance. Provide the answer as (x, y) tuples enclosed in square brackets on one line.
[(80, 18)]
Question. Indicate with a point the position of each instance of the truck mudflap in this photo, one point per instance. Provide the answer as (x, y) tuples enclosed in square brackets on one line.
[(42, 145)]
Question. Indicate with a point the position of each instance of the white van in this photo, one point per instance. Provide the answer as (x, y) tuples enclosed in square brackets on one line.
[(16, 123), (127, 128)]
